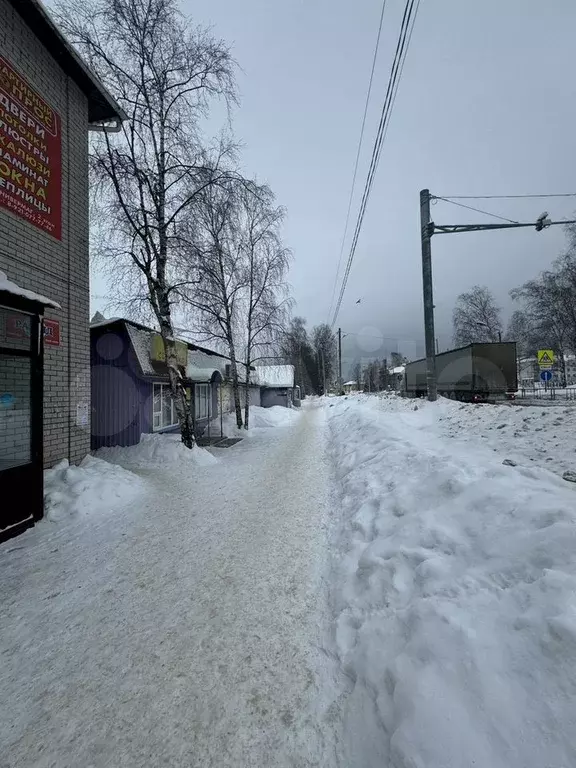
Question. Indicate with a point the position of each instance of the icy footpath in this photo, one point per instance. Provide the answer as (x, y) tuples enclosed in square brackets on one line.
[(181, 629), (454, 599)]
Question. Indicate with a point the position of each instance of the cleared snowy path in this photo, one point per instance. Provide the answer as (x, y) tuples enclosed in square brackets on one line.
[(181, 632)]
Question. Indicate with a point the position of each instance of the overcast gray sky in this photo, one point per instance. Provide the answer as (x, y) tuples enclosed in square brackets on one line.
[(485, 106)]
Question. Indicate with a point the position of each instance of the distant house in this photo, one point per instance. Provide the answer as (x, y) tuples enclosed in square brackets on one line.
[(276, 384), (349, 386), (130, 386)]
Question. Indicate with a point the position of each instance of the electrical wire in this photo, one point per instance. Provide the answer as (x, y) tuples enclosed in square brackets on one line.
[(371, 336), (504, 197), (368, 93), (405, 35), (470, 208)]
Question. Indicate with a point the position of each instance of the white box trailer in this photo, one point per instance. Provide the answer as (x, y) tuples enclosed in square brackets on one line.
[(473, 373)]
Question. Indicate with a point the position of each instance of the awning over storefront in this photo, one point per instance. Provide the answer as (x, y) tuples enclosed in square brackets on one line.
[(8, 286)]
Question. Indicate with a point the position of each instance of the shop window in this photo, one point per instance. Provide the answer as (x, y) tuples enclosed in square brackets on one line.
[(15, 411), (163, 410), (202, 398)]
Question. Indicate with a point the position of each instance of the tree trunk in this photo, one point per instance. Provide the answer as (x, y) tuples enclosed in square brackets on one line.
[(247, 403), (183, 412), (235, 386), (162, 304)]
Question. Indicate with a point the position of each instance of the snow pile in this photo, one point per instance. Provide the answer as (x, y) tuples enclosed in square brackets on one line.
[(528, 435), (276, 416), (92, 487), (456, 598), (260, 418), (157, 451)]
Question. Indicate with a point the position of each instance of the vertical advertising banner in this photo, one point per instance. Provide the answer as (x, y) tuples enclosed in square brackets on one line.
[(30, 154)]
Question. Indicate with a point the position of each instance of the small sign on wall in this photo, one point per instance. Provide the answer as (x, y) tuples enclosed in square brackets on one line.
[(82, 414), (52, 333)]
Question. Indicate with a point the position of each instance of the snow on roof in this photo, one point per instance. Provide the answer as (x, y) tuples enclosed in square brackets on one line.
[(349, 383), (202, 375), (202, 367), (399, 369), (105, 321), (15, 290), (141, 343), (201, 359), (274, 375)]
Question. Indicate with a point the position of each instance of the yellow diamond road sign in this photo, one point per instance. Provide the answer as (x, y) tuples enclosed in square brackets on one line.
[(546, 358)]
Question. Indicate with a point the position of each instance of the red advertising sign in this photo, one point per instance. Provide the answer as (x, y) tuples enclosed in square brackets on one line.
[(52, 333), (18, 326), (30, 154)]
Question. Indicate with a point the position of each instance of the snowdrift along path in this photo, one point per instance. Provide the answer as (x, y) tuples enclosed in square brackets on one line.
[(177, 631), (454, 594)]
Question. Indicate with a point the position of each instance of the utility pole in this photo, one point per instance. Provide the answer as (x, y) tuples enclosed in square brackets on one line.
[(340, 361), (429, 337)]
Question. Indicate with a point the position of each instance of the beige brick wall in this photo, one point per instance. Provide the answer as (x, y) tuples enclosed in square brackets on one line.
[(58, 269)]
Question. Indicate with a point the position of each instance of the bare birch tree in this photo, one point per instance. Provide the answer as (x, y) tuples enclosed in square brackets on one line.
[(216, 277), (266, 264), (164, 74), (476, 318), (357, 373), (549, 311), (296, 347), (326, 349)]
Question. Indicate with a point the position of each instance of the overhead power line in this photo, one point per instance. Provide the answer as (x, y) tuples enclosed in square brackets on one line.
[(505, 197), (470, 208), (350, 199), (373, 336), (403, 43)]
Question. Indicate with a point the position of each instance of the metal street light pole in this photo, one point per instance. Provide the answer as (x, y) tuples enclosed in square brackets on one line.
[(428, 228)]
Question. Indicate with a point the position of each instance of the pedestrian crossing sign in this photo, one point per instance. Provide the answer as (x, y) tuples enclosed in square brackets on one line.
[(546, 358)]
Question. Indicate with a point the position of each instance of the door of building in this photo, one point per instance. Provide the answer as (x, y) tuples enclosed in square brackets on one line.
[(21, 471)]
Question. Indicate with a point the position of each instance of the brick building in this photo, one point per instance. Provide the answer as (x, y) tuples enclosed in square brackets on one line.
[(49, 101)]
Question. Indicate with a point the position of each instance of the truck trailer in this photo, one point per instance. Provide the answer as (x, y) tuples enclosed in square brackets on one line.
[(475, 373)]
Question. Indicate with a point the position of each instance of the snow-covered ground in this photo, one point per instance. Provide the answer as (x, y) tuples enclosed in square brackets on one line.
[(454, 585), (363, 583), (178, 629), (537, 435)]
